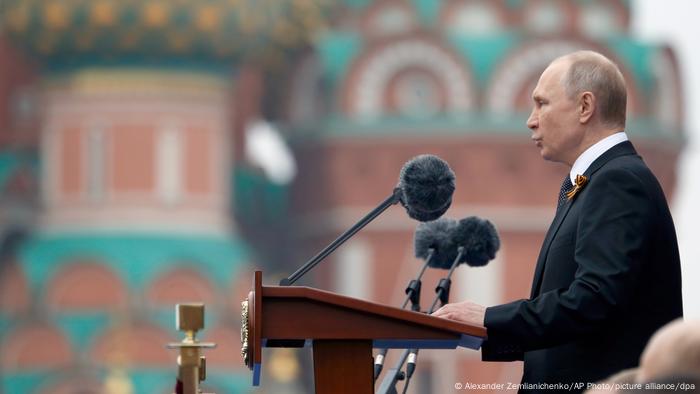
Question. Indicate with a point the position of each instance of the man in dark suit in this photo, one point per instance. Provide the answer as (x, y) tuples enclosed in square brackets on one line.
[(608, 274)]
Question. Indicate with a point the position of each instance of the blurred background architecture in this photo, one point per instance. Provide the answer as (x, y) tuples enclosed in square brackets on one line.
[(154, 152)]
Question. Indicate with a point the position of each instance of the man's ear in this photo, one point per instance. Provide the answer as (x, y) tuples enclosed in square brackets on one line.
[(586, 107)]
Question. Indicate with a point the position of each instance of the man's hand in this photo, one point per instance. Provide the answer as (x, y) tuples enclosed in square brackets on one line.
[(465, 312)]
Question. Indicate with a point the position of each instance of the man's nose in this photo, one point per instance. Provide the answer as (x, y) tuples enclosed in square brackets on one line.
[(532, 121)]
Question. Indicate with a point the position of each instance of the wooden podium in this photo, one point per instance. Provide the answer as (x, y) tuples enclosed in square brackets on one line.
[(342, 331)]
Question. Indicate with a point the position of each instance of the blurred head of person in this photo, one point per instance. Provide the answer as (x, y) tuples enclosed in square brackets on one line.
[(672, 351)]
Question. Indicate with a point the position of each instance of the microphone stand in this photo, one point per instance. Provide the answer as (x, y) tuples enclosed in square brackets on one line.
[(391, 200), (412, 295), (395, 374)]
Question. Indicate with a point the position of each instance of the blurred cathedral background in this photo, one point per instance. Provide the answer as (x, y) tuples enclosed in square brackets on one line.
[(158, 151)]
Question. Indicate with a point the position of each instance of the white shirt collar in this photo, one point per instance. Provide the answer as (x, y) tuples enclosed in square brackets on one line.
[(595, 151)]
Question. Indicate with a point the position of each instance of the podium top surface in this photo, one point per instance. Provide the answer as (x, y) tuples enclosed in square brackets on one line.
[(316, 296)]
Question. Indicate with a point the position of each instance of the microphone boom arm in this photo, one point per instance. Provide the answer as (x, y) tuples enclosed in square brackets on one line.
[(412, 295), (391, 200), (395, 374), (414, 286), (442, 291)]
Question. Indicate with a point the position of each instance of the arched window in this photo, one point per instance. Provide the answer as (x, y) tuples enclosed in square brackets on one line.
[(35, 346), (86, 286), (412, 77), (181, 285)]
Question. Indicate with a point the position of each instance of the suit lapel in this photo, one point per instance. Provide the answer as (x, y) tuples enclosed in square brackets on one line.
[(553, 228), (621, 149)]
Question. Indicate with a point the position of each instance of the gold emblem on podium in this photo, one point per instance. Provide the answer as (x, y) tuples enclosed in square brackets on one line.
[(245, 330)]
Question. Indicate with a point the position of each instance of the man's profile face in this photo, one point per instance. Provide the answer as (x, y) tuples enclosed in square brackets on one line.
[(554, 120)]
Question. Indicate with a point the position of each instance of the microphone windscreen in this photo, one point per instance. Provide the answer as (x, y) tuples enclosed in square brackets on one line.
[(479, 239), (426, 183), (436, 235)]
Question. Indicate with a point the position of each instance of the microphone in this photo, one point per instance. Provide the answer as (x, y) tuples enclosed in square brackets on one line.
[(438, 236), (479, 238), (425, 188), (426, 183), (477, 242), (432, 242)]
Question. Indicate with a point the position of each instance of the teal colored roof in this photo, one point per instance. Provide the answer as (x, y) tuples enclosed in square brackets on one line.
[(82, 328), (338, 50), (636, 57), (484, 54), (136, 258)]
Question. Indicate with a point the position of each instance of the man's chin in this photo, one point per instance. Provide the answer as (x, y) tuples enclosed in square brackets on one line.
[(549, 157)]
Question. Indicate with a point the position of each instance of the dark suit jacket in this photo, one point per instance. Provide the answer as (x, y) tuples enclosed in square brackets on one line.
[(607, 277)]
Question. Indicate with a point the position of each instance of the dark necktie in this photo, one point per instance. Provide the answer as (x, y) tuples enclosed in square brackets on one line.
[(565, 187)]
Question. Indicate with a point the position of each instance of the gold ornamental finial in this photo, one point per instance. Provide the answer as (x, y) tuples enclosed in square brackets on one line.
[(192, 366)]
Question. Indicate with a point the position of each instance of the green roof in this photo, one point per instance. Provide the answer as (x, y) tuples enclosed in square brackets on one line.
[(137, 258), (337, 50), (636, 57), (484, 53)]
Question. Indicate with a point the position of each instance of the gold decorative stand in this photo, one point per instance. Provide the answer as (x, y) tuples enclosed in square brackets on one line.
[(192, 365)]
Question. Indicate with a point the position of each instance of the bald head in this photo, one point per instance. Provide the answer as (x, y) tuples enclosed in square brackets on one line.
[(673, 350), (590, 71)]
